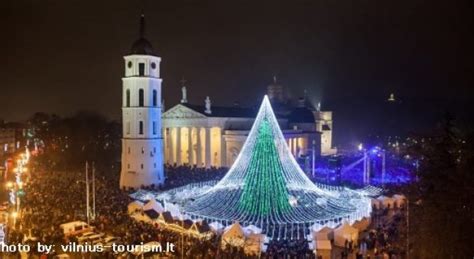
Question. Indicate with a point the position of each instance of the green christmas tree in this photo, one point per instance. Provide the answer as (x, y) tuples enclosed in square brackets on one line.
[(264, 190)]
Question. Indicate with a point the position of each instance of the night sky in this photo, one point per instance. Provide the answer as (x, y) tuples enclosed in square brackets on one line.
[(65, 56)]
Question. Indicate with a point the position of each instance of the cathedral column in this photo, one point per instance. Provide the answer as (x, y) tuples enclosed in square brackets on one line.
[(199, 148), (298, 146), (290, 145), (293, 146), (169, 136), (165, 146), (190, 146), (305, 146), (223, 149), (178, 145), (208, 147)]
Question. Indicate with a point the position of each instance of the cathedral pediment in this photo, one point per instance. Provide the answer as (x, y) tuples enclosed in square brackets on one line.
[(182, 112)]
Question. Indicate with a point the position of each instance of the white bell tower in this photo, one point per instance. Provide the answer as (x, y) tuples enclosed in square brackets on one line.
[(142, 142)]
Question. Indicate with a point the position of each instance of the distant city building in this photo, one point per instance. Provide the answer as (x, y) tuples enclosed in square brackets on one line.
[(324, 126), (12, 137), (7, 141), (207, 135), (142, 142)]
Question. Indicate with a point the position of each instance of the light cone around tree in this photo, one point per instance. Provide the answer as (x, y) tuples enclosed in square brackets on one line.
[(265, 185)]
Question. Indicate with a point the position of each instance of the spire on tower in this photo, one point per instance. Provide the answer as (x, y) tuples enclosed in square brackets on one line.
[(142, 46), (142, 25)]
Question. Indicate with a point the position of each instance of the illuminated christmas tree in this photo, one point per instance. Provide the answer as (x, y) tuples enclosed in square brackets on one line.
[(264, 189)]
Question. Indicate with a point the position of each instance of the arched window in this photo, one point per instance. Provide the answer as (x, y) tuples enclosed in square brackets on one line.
[(141, 98), (155, 98), (140, 128), (127, 96)]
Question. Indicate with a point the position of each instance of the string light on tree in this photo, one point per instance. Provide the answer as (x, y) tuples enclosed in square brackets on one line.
[(264, 189)]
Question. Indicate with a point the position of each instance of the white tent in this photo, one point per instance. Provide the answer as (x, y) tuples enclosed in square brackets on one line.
[(216, 227), (173, 209), (201, 229), (135, 206), (326, 233), (345, 232), (233, 235), (252, 229), (316, 227), (153, 205), (322, 246), (362, 224), (400, 200)]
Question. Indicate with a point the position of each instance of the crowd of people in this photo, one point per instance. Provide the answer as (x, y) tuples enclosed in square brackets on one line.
[(294, 248), (388, 233), (181, 175), (384, 239), (56, 197)]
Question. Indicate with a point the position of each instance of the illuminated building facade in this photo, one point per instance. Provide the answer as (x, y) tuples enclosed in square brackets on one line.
[(207, 135), (142, 143)]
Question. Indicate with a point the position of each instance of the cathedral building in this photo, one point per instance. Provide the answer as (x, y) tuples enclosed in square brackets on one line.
[(207, 135), (202, 135), (142, 142)]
